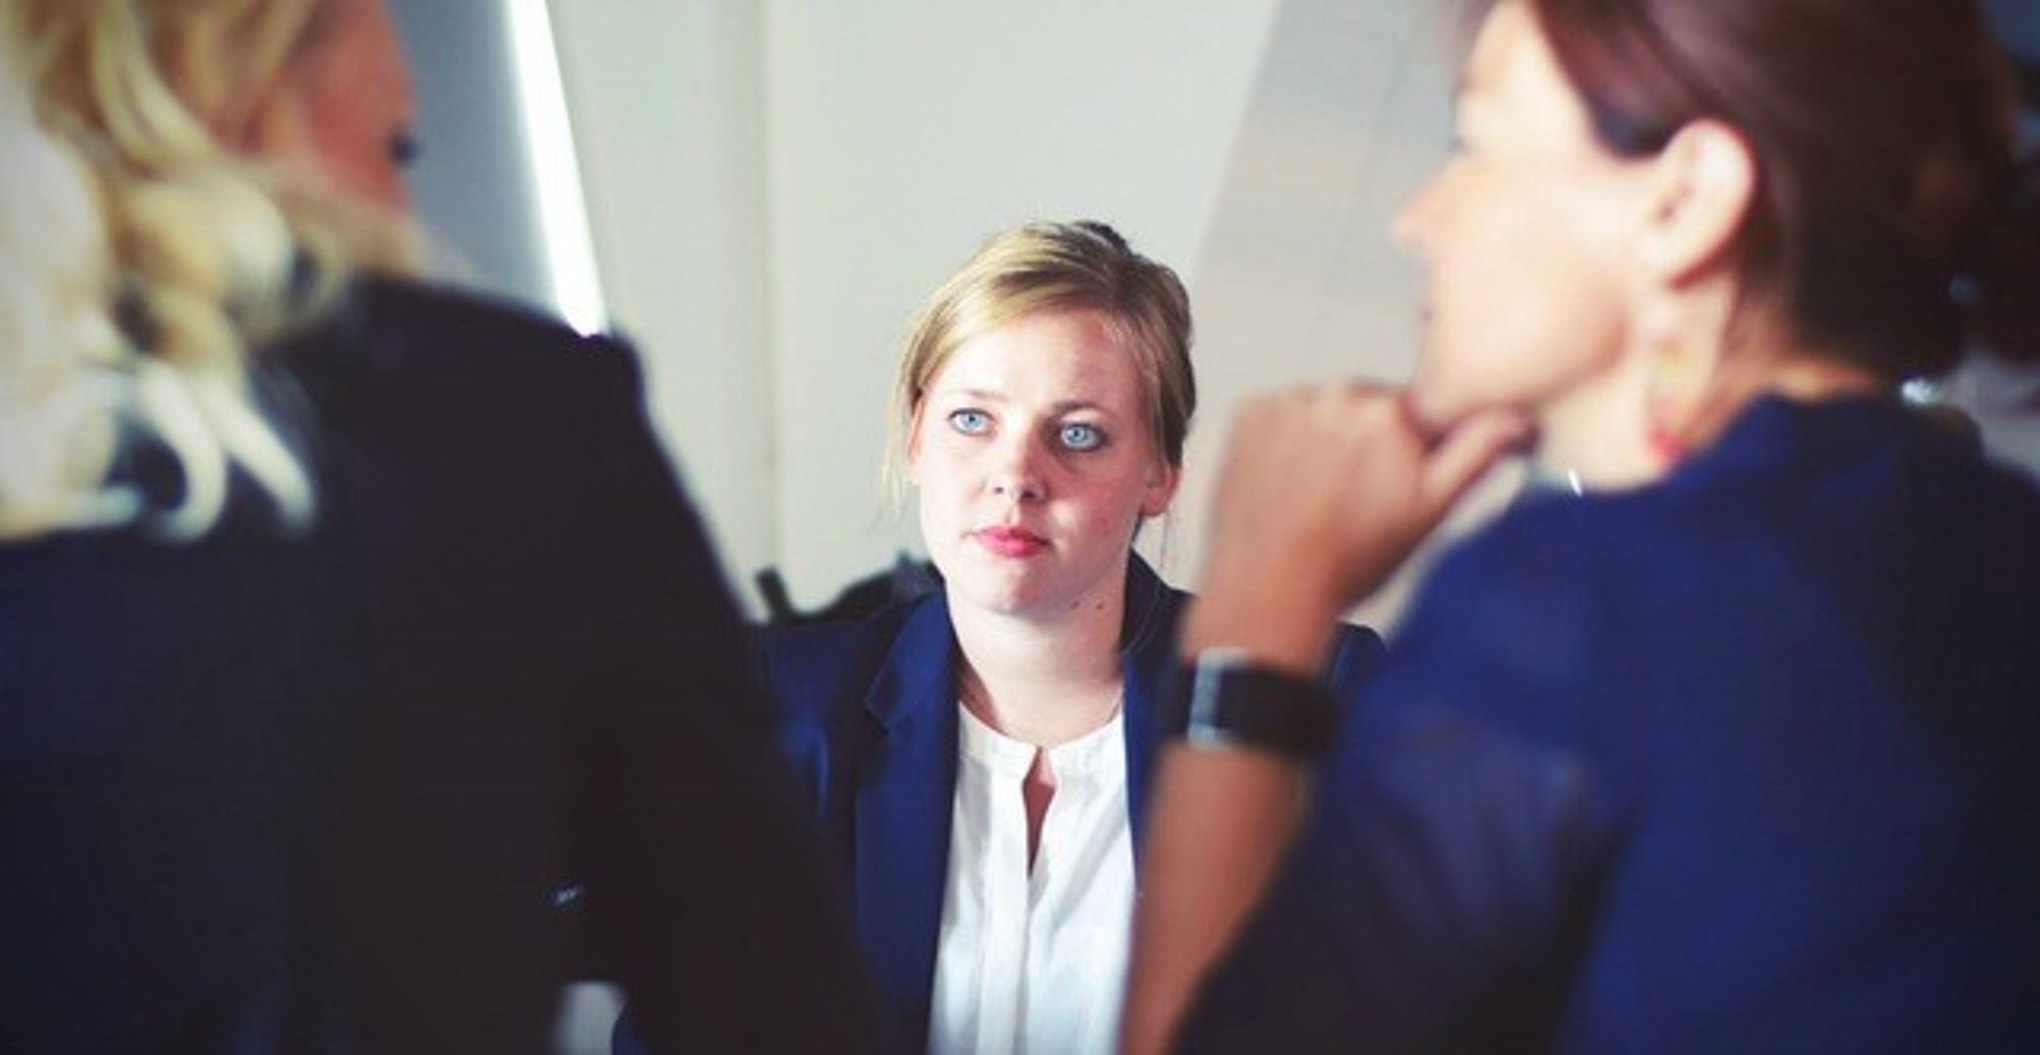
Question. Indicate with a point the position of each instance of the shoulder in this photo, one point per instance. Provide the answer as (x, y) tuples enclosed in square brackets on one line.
[(465, 353), (447, 376), (1551, 553), (820, 672), (1522, 621), (460, 323), (1155, 612), (1800, 504)]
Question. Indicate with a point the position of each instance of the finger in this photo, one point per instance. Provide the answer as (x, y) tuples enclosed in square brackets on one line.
[(1467, 452), (1360, 387)]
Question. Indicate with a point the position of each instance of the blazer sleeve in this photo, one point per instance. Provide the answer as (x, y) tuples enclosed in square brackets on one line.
[(1441, 855), (560, 696), (708, 887), (782, 658)]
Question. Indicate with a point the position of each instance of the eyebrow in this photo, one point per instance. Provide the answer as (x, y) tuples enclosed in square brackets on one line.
[(986, 395)]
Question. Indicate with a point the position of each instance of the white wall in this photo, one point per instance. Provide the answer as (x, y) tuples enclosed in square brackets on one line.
[(903, 133), (470, 185), (668, 112), (1298, 279), (777, 186)]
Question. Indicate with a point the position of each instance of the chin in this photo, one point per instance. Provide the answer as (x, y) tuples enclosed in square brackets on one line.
[(993, 589), (1439, 408), (1434, 405), (996, 600)]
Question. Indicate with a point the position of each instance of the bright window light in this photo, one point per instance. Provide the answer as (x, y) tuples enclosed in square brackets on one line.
[(549, 135)]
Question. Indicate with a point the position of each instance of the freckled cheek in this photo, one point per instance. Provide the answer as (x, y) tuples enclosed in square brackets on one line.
[(1106, 508)]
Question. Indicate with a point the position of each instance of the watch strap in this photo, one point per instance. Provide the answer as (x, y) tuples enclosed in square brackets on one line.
[(1224, 699)]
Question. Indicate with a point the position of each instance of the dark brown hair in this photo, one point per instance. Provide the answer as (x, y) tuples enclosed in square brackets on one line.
[(1890, 220)]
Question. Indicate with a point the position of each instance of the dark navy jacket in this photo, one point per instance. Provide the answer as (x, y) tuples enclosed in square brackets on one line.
[(1746, 761), (871, 726), (271, 793)]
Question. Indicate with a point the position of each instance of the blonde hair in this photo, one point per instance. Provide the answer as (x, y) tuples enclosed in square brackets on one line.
[(1050, 267), (232, 63), (56, 340), (205, 256)]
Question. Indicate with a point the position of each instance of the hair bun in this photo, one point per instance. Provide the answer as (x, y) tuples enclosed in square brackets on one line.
[(1104, 231), (2000, 293)]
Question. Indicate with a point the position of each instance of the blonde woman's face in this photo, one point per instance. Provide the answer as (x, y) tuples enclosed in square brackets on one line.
[(357, 105), (1523, 235), (1034, 464)]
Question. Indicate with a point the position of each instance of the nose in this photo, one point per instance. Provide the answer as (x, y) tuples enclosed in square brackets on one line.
[(1019, 474)]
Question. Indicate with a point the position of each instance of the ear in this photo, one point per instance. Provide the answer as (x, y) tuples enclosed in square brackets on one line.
[(1703, 186), (1161, 489)]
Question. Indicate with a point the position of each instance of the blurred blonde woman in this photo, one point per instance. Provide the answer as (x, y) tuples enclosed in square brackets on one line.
[(343, 622)]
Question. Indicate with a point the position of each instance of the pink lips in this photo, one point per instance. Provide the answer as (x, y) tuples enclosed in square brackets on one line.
[(1010, 541)]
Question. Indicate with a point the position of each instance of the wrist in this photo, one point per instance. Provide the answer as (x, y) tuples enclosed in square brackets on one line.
[(1225, 699), (1287, 629)]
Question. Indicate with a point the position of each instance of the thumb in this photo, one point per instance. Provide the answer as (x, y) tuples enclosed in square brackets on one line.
[(1467, 452)]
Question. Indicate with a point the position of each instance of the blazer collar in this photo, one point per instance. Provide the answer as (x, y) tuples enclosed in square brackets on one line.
[(919, 671)]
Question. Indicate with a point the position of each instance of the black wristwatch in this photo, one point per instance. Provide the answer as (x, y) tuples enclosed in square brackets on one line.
[(1225, 699)]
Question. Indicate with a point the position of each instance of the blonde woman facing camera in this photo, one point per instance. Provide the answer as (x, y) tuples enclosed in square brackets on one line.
[(979, 759)]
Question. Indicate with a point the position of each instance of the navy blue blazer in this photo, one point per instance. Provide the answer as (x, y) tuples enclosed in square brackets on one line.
[(871, 726), (1748, 760)]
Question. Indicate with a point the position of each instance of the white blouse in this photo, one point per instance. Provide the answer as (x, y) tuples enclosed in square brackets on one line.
[(1034, 961)]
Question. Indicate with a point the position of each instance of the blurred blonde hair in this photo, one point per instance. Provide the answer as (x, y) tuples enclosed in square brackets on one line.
[(57, 344), (1049, 267), (231, 64), (138, 213)]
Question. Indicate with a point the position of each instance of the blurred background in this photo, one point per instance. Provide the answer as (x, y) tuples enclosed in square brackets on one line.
[(760, 193)]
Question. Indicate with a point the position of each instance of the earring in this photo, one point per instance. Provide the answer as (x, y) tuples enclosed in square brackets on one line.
[(1670, 395)]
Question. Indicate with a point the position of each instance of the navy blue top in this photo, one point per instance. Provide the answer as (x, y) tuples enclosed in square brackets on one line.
[(304, 793), (871, 724), (1745, 761)]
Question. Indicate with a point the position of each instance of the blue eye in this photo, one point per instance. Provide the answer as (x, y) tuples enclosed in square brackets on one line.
[(1078, 436), (970, 422)]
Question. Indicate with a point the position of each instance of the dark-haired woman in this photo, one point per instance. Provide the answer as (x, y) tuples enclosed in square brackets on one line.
[(1734, 751)]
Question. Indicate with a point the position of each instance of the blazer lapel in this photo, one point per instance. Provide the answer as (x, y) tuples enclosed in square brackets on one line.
[(906, 787), (1147, 655)]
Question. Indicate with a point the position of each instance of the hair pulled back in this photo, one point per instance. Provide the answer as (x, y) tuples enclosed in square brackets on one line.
[(1892, 224)]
